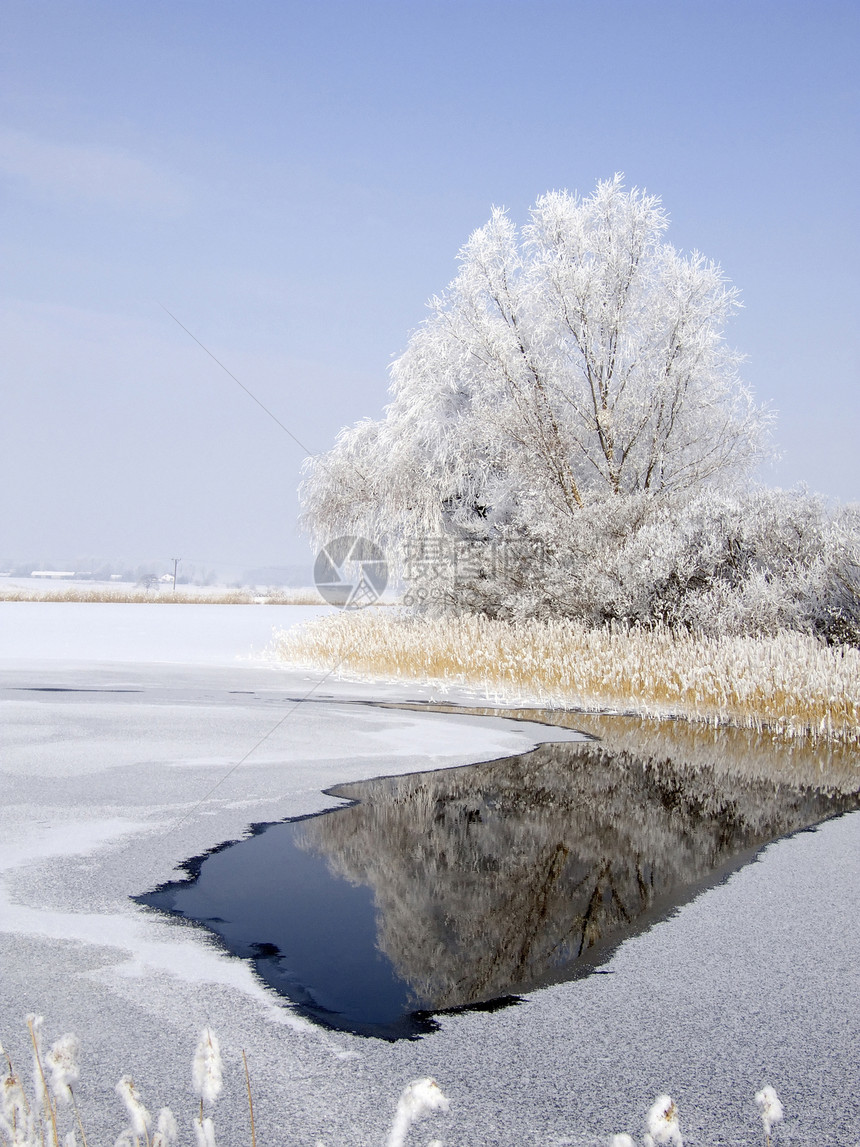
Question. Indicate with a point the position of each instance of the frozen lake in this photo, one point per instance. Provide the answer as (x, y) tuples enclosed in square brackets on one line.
[(134, 737), (468, 887), (133, 634)]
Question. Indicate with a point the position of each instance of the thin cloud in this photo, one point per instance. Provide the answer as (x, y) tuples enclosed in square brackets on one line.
[(100, 175)]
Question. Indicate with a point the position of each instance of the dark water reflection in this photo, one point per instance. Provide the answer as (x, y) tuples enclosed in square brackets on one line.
[(469, 886)]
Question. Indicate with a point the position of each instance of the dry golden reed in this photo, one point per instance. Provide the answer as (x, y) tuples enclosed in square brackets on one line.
[(141, 596), (790, 683)]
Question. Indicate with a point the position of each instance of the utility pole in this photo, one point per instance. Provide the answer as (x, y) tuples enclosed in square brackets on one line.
[(176, 562)]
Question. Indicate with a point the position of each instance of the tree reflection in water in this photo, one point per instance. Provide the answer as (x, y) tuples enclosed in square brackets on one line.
[(498, 877), (474, 884)]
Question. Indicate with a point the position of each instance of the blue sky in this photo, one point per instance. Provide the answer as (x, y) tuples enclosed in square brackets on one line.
[(293, 181)]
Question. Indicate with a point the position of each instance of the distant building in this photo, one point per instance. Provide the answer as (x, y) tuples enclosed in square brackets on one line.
[(55, 574)]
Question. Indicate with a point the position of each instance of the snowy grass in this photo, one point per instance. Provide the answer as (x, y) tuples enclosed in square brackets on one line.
[(164, 596), (47, 1111), (791, 683)]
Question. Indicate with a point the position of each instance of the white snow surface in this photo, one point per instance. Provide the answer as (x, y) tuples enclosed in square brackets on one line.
[(136, 736), (158, 632)]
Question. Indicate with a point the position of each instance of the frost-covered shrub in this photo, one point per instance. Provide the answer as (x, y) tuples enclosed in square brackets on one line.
[(718, 563)]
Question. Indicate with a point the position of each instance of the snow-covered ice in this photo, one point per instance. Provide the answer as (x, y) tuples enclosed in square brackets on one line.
[(136, 736), (162, 632)]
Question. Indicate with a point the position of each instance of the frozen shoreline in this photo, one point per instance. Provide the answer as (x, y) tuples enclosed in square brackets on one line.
[(751, 983)]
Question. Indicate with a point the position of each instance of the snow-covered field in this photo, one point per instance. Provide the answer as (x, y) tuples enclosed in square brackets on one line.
[(96, 632), (133, 737)]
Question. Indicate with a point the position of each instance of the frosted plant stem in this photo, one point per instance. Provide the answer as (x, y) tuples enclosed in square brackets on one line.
[(770, 1109), (12, 1075), (78, 1117), (140, 1118), (206, 1069), (16, 1105), (250, 1100), (46, 1093), (419, 1098)]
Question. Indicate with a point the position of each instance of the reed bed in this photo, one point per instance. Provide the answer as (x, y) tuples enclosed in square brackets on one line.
[(790, 684), (142, 596)]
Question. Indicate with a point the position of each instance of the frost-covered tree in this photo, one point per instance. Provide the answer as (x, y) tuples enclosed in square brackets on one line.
[(571, 395), (578, 359)]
